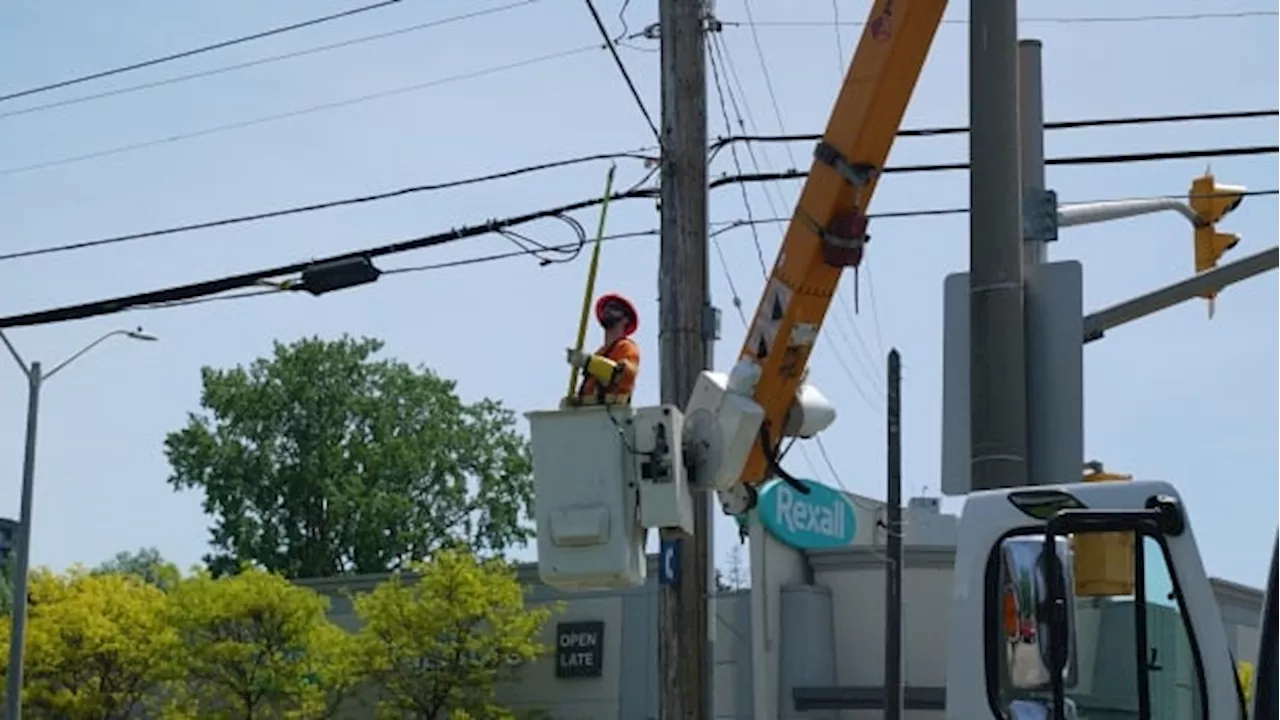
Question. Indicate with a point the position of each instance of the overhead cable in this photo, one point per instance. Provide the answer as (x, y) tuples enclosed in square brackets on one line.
[(633, 193), (1058, 125), (622, 68), (1075, 160), (722, 227), (257, 279), (439, 22), (327, 204), (239, 125), (197, 51), (1041, 20)]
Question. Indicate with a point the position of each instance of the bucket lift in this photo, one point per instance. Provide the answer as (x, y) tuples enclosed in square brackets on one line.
[(604, 475)]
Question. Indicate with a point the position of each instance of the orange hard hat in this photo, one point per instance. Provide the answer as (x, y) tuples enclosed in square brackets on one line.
[(633, 321)]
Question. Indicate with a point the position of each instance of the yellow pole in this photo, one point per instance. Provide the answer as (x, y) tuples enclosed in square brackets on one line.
[(591, 278)]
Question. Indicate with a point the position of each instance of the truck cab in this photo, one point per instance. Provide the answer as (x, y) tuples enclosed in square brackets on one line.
[(1090, 600)]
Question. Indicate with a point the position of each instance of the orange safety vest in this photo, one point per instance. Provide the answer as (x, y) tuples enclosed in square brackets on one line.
[(626, 353)]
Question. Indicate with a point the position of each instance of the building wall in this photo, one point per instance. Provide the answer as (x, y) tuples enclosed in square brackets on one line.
[(626, 687), (853, 578)]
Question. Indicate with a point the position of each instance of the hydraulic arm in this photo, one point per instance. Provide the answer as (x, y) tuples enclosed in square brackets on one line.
[(828, 230)]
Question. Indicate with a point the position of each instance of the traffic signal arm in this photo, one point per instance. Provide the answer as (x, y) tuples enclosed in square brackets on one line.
[(827, 230)]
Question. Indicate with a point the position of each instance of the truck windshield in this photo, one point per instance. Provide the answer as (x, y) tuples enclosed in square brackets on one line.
[(1130, 654)]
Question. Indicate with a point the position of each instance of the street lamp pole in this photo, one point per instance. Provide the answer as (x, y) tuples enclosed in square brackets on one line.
[(18, 618)]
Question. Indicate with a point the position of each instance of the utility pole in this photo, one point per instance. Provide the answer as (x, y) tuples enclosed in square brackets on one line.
[(685, 332), (893, 692), (998, 373)]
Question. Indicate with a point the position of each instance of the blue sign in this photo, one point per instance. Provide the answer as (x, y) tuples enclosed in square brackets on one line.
[(669, 561), (822, 519)]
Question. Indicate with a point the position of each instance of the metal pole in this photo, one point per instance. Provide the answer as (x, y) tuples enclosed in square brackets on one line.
[(1097, 324), (1031, 150), (893, 690), (684, 652), (18, 619), (998, 376)]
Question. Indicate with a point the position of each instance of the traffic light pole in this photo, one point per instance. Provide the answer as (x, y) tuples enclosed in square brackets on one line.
[(1038, 204), (997, 335)]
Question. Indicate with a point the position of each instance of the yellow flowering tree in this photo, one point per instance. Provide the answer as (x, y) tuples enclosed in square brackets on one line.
[(98, 646), (1244, 672), (256, 645), (441, 644)]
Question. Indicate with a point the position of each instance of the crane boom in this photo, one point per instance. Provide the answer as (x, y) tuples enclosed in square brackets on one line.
[(828, 229)]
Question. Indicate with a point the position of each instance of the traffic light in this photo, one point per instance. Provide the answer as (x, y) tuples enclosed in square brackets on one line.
[(1104, 565), (1211, 202)]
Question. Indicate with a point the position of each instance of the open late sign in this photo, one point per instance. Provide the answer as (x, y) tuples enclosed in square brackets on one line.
[(579, 649)]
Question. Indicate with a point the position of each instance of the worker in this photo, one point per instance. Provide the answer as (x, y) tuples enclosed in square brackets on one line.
[(610, 372)]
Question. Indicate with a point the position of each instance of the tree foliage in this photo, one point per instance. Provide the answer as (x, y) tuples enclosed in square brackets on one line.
[(1244, 675), (255, 645), (98, 645), (111, 644), (147, 564), (321, 460), (441, 645)]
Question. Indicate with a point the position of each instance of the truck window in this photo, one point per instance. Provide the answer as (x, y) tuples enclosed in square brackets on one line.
[(1131, 655)]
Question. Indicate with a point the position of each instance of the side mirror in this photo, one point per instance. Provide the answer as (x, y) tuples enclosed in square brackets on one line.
[(1034, 636)]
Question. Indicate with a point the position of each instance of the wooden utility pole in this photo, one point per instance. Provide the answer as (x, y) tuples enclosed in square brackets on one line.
[(685, 334)]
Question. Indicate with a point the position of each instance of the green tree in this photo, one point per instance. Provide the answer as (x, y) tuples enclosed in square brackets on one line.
[(8, 568), (321, 460), (98, 647), (146, 564), (256, 645), (441, 644)]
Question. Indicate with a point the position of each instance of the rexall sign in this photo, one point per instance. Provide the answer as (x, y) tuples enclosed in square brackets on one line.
[(822, 519)]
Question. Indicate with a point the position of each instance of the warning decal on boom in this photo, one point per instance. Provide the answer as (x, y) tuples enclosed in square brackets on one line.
[(764, 330)]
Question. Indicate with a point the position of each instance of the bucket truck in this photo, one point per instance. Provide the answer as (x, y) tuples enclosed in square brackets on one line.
[(604, 475)]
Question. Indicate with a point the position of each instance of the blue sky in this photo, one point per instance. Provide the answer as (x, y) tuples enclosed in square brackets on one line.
[(1175, 396)]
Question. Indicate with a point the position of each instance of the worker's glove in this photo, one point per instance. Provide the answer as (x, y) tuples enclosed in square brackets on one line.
[(577, 358)]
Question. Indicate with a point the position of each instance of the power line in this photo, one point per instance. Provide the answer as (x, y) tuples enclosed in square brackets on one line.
[(269, 59), (622, 68), (302, 111), (1075, 160), (635, 192), (1058, 125), (256, 279), (723, 227), (1078, 20), (325, 205), (197, 51)]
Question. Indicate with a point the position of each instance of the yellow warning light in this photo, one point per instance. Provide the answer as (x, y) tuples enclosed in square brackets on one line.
[(1103, 561)]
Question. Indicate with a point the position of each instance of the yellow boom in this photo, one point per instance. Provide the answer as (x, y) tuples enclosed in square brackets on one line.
[(828, 229)]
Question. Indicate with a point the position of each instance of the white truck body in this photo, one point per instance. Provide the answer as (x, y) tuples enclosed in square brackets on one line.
[(1187, 671)]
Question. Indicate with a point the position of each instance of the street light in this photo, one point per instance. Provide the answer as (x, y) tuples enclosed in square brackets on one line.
[(36, 376)]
